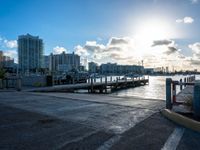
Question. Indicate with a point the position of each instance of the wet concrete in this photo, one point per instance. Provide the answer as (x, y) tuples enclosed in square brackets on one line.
[(22, 129), (107, 113), (77, 121)]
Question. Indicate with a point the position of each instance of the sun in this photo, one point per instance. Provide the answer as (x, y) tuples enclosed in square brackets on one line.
[(148, 29), (153, 29)]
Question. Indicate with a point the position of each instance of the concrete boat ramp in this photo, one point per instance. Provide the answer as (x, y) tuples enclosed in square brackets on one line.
[(86, 121)]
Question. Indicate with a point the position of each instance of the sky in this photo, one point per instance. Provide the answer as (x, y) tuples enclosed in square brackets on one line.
[(157, 32)]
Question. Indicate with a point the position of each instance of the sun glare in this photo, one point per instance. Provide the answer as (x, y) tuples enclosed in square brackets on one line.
[(153, 29), (145, 31)]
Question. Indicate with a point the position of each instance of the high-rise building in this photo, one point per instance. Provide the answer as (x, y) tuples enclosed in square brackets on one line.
[(92, 67), (113, 68), (6, 61), (45, 64), (30, 53), (64, 62)]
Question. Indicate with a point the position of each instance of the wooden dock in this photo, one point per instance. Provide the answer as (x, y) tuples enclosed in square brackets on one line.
[(92, 86)]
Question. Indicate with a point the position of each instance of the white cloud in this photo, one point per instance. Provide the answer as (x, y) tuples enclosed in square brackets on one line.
[(186, 20), (81, 51), (194, 1), (12, 54), (59, 50), (127, 50), (195, 49), (11, 43)]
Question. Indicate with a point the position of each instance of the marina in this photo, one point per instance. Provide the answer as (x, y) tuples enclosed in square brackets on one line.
[(89, 121), (93, 86)]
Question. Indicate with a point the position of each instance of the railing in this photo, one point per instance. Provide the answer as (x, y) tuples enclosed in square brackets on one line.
[(113, 81), (11, 82), (114, 78), (171, 89)]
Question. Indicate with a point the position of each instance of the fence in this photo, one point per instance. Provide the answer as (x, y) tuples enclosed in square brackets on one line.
[(171, 89), (11, 83)]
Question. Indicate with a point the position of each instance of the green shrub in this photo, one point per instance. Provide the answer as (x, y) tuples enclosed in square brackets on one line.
[(2, 73), (38, 84)]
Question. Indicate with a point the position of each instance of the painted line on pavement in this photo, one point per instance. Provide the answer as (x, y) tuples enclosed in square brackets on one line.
[(174, 139), (109, 143)]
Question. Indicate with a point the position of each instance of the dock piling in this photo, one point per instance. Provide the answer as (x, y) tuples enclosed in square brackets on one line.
[(19, 84), (91, 85), (196, 101), (168, 93), (185, 82), (106, 84), (181, 87)]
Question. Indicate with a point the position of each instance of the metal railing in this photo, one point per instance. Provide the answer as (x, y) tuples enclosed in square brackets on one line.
[(11, 83), (171, 89)]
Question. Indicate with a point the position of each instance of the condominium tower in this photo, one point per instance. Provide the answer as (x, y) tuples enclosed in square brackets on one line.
[(30, 53), (64, 62)]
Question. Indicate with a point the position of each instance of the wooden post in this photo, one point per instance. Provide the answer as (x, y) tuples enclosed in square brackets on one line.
[(19, 84), (116, 83), (101, 79), (196, 99), (105, 84), (174, 92), (181, 87), (110, 78), (185, 82), (91, 84), (168, 93)]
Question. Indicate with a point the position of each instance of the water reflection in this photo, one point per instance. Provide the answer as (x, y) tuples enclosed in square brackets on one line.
[(155, 89)]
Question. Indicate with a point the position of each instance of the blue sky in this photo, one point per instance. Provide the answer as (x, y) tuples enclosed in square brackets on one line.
[(88, 27)]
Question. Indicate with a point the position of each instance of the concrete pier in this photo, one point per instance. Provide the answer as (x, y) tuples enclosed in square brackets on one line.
[(85, 121), (93, 87)]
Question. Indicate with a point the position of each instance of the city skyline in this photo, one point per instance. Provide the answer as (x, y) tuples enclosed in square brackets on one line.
[(159, 32)]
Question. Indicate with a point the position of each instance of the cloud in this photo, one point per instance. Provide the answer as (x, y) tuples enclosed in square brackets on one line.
[(81, 51), (195, 62), (169, 44), (92, 46), (59, 50), (117, 41), (162, 42), (12, 54), (186, 20), (171, 50), (195, 47), (194, 1), (11, 43), (115, 49), (195, 59), (127, 50)]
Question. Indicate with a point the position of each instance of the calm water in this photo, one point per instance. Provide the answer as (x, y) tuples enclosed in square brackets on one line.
[(155, 89)]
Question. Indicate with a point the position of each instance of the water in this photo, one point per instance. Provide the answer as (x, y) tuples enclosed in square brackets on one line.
[(155, 89)]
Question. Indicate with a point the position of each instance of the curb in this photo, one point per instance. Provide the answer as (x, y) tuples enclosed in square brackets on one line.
[(181, 120)]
